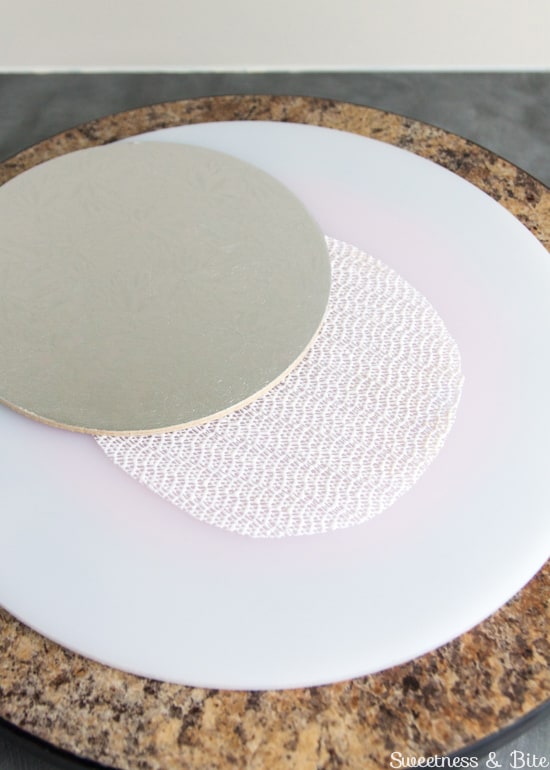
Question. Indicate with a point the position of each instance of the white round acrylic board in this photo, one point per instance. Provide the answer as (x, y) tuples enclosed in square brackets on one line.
[(102, 565)]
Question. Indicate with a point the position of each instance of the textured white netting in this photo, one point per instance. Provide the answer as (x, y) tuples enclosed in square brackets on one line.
[(340, 439)]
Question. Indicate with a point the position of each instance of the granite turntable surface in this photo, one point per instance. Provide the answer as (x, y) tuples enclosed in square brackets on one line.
[(421, 705)]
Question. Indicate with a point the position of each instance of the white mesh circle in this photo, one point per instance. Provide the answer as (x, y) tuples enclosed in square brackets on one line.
[(348, 431)]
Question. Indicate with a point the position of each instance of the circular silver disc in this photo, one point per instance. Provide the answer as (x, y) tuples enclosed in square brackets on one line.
[(151, 286)]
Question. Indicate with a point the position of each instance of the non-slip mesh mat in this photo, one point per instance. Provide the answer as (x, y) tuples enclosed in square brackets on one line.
[(349, 431)]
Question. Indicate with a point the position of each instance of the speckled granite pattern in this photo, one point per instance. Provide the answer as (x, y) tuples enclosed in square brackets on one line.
[(526, 198), (478, 684)]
